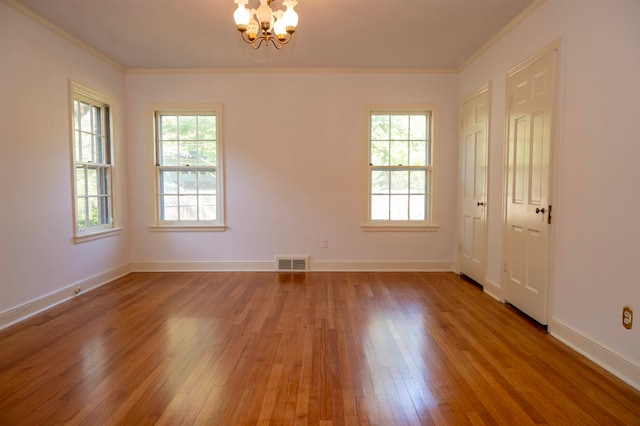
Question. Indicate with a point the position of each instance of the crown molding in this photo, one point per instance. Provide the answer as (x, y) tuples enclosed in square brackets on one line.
[(62, 33), (291, 71), (500, 34)]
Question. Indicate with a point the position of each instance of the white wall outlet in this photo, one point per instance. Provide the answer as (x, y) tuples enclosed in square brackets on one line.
[(323, 243)]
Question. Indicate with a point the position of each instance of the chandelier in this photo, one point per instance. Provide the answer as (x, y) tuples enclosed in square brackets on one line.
[(263, 25)]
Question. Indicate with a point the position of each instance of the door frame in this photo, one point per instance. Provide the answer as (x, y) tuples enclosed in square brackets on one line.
[(485, 88), (555, 47)]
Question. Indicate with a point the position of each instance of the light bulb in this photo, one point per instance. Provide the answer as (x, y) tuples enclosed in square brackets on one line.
[(252, 29), (242, 17), (264, 15), (290, 16), (280, 27)]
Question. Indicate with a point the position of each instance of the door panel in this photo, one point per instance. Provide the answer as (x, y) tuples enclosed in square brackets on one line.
[(528, 167), (474, 140)]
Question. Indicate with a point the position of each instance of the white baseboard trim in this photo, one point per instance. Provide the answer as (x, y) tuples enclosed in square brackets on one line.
[(26, 310), (271, 266), (202, 266), (382, 266), (606, 358), (492, 289)]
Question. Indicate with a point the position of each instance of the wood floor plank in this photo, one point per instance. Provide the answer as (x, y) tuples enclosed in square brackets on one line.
[(325, 348)]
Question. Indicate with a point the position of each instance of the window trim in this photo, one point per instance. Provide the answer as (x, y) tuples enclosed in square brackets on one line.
[(218, 225), (431, 224), (89, 234)]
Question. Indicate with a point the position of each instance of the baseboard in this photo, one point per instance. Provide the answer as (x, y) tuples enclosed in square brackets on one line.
[(36, 306), (271, 266), (492, 289), (606, 358), (202, 266)]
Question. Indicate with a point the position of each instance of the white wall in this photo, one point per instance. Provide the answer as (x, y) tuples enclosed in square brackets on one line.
[(37, 253), (295, 160), (597, 226)]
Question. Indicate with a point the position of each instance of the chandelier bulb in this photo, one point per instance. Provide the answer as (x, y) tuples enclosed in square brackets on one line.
[(242, 17), (264, 13), (290, 16)]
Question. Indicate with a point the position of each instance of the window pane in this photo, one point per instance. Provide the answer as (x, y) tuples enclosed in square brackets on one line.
[(187, 127), (78, 146), (104, 210), (81, 208), (98, 150), (207, 127), (92, 182), (399, 153), (94, 215), (380, 182), (400, 182), (379, 127), (168, 128), (418, 182), (417, 207), (103, 181), (85, 117), (418, 153), (169, 154), (86, 147), (81, 181), (379, 207), (207, 207), (169, 182), (400, 127), (169, 207), (188, 153), (187, 183), (207, 154), (380, 153), (97, 120), (399, 207), (188, 207), (207, 182), (418, 126)]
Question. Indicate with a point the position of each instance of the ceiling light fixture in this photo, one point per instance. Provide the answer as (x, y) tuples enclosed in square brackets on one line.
[(263, 25)]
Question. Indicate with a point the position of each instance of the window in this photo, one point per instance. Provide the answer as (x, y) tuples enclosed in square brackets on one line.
[(92, 156), (401, 174), (188, 168)]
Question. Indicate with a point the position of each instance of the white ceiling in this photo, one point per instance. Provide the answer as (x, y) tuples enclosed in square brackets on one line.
[(423, 34)]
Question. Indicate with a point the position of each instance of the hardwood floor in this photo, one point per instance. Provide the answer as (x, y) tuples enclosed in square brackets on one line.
[(244, 348)]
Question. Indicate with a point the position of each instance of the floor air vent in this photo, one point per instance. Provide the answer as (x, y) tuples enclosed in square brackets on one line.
[(289, 263)]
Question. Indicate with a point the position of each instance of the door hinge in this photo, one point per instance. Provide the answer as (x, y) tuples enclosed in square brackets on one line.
[(549, 216)]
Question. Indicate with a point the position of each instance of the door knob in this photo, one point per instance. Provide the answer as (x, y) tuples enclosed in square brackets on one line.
[(542, 210), (480, 203)]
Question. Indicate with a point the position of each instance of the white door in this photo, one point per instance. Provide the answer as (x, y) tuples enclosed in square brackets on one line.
[(473, 149), (530, 90)]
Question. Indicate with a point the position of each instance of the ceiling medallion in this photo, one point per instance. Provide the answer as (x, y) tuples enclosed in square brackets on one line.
[(263, 25)]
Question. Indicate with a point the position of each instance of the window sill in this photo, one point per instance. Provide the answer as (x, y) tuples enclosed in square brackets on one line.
[(96, 235), (386, 227), (187, 228)]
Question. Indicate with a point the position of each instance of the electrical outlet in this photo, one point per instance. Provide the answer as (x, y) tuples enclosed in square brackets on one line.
[(323, 243), (627, 317)]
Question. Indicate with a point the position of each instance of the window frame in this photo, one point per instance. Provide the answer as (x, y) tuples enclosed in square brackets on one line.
[(217, 225), (78, 92), (431, 221)]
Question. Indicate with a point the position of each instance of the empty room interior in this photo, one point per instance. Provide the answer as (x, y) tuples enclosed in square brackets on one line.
[(319, 212)]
